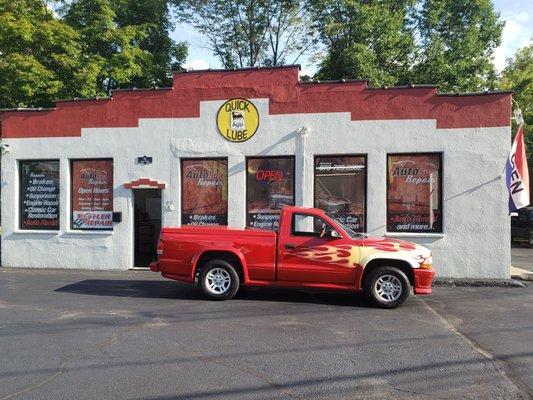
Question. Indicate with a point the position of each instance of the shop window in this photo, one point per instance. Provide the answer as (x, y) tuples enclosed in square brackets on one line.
[(39, 194), (204, 184), (269, 187), (414, 192), (92, 194), (340, 189)]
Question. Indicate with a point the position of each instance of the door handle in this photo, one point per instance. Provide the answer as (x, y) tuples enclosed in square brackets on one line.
[(290, 246)]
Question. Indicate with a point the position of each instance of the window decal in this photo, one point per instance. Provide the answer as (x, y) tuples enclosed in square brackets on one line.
[(92, 194), (340, 188), (204, 185), (414, 199), (269, 187), (39, 195)]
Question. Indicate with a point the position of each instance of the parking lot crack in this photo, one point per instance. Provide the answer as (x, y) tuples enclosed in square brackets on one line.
[(247, 371), (411, 392), (61, 369), (501, 366)]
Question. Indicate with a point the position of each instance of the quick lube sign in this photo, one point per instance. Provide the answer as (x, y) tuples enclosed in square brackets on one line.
[(237, 120)]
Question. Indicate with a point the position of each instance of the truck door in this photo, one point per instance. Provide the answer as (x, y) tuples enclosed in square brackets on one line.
[(310, 251)]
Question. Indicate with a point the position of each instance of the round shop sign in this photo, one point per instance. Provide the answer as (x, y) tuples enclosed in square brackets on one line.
[(237, 120)]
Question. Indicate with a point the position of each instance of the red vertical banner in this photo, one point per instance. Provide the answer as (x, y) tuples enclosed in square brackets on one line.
[(204, 185), (414, 199), (92, 194)]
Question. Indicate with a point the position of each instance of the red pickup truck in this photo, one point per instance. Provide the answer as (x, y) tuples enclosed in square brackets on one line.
[(310, 250)]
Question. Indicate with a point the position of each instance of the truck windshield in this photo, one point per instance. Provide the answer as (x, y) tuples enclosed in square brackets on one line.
[(353, 234)]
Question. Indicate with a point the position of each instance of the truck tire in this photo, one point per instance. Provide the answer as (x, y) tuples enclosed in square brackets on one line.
[(219, 280), (386, 287)]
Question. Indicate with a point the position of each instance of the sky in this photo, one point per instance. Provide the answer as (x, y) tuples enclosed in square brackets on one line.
[(517, 33)]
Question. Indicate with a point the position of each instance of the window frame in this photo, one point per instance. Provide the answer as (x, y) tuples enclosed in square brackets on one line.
[(246, 159), (71, 163), (345, 155), (19, 205), (440, 154), (307, 234), (181, 184)]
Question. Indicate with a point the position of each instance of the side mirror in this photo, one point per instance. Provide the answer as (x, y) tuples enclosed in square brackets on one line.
[(334, 234)]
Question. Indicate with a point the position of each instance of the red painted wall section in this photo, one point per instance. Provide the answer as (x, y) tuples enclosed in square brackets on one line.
[(280, 85)]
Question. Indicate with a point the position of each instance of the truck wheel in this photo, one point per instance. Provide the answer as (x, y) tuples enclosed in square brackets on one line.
[(387, 287), (219, 280)]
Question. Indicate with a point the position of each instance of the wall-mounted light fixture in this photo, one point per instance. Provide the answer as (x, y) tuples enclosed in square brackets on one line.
[(304, 130), (169, 206), (4, 147)]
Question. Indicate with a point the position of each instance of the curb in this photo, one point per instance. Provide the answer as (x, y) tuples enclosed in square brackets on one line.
[(451, 282), (519, 273)]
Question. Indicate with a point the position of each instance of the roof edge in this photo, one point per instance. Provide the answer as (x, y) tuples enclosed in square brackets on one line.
[(185, 71), (22, 109), (483, 93)]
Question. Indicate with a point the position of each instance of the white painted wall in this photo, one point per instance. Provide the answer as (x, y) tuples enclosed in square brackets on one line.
[(475, 242)]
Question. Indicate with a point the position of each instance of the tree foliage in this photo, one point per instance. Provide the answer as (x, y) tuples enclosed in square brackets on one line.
[(87, 49), (39, 55), (457, 43), (165, 54), (518, 76), (249, 33), (126, 42), (446, 42), (365, 39)]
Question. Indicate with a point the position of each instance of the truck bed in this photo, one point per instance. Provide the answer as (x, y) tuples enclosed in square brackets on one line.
[(184, 245), (218, 230)]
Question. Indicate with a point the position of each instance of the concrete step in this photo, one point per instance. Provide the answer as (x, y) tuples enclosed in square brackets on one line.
[(519, 273)]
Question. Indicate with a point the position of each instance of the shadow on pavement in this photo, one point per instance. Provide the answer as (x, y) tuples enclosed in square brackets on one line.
[(175, 290)]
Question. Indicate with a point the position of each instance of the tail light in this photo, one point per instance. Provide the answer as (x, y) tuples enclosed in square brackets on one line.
[(160, 247)]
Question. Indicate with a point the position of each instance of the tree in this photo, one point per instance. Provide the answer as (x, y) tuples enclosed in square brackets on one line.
[(91, 47), (39, 56), (289, 33), (113, 53), (457, 42), (518, 76), (365, 39), (165, 54), (446, 42), (249, 33)]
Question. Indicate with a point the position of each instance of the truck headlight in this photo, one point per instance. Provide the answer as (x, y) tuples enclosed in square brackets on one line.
[(428, 263)]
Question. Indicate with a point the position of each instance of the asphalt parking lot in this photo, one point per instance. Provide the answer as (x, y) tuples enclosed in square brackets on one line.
[(134, 335)]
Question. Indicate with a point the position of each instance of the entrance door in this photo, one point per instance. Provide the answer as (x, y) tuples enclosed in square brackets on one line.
[(147, 212)]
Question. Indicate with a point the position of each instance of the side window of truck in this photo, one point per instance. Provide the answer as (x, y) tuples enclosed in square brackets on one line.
[(308, 225)]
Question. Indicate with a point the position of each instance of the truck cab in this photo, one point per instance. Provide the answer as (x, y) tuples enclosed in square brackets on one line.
[(310, 249)]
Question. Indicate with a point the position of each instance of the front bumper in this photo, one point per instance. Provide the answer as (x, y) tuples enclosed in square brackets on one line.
[(423, 280), (154, 266)]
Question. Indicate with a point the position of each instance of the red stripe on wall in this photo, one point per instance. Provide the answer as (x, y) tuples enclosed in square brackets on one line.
[(286, 96)]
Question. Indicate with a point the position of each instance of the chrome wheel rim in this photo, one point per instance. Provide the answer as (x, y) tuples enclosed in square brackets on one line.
[(218, 281), (388, 288)]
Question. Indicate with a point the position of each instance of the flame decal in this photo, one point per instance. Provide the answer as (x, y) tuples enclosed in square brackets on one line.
[(350, 255), (346, 255), (389, 245)]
